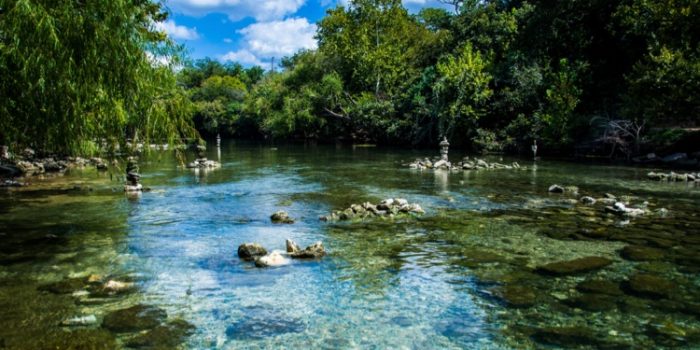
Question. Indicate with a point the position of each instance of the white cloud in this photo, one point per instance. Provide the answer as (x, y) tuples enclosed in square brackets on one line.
[(242, 56), (263, 41), (261, 10), (228, 40), (177, 32), (279, 38)]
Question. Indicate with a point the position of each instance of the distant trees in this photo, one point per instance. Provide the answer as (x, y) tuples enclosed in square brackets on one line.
[(492, 75)]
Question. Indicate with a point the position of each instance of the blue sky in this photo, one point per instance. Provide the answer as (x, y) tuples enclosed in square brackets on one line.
[(251, 31)]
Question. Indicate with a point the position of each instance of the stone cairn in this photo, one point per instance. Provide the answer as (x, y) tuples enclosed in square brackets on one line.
[(132, 176), (443, 162), (202, 162)]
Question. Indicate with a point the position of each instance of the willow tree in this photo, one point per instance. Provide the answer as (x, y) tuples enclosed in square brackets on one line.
[(77, 75)]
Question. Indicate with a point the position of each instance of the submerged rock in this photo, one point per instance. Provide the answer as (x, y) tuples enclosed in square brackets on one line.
[(281, 217), (275, 258), (250, 251), (313, 251), (575, 266), (566, 336), (641, 253), (593, 302), (517, 296), (600, 287), (66, 286), (167, 336), (649, 286), (136, 318)]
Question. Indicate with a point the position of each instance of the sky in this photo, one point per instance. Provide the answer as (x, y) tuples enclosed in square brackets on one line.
[(251, 32)]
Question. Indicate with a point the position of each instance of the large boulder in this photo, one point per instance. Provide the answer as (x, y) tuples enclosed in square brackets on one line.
[(250, 251), (313, 251), (576, 266), (281, 217)]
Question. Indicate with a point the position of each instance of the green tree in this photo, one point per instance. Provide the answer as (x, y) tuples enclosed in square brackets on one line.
[(462, 90), (77, 73)]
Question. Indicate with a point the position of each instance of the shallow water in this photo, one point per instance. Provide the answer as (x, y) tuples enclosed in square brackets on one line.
[(464, 275)]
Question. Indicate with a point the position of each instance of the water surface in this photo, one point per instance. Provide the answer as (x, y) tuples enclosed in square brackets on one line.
[(464, 275)]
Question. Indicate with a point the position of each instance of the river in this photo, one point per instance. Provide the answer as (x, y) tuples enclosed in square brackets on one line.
[(466, 274)]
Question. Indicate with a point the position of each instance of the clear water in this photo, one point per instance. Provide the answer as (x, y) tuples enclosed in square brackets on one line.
[(432, 282)]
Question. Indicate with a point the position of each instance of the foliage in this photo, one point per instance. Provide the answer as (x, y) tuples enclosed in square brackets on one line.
[(491, 75), (80, 74)]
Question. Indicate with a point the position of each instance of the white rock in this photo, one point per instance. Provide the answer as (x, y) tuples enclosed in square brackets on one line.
[(275, 258)]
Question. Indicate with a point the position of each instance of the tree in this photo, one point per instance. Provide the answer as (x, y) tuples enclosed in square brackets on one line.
[(77, 74), (462, 89)]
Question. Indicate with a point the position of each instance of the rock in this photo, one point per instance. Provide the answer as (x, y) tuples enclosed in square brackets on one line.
[(416, 208), (385, 204), (80, 321), (116, 287), (593, 302), (11, 183), (281, 217), (29, 168), (674, 157), (275, 258), (400, 202), (442, 164), (575, 266), (649, 286), (568, 337), (656, 176), (517, 296), (292, 247), (136, 318), (133, 188), (51, 165), (641, 253), (250, 251), (587, 200), (28, 153), (94, 278), (66, 286), (556, 189), (619, 208), (167, 336), (600, 287), (313, 251)]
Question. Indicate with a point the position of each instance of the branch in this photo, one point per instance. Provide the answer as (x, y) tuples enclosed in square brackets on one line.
[(335, 114)]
